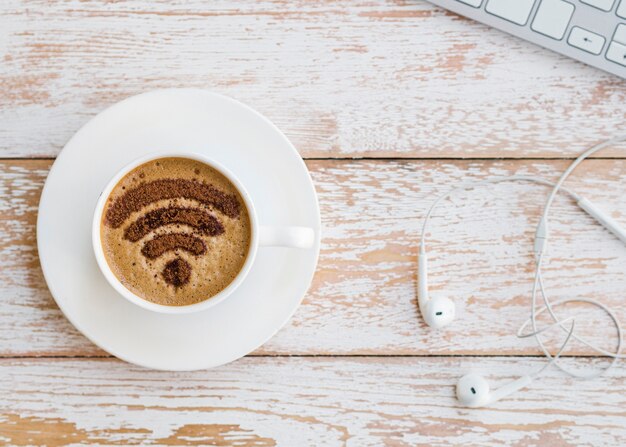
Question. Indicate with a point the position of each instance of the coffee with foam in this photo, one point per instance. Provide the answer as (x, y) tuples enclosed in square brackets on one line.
[(175, 231)]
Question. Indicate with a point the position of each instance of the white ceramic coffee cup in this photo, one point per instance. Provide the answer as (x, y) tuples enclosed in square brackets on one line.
[(261, 236)]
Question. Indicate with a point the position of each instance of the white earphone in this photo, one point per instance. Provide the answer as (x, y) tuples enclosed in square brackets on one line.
[(440, 311), (472, 389)]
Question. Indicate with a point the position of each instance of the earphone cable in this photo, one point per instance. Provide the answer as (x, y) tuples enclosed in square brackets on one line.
[(541, 239), (538, 282), (471, 185)]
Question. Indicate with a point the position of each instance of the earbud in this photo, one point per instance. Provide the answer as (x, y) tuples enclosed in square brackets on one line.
[(472, 390), (437, 312)]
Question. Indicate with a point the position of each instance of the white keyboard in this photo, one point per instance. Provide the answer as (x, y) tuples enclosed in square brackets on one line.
[(591, 31)]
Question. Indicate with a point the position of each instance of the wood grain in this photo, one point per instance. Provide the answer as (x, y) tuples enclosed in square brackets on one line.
[(363, 297), (301, 402), (345, 78)]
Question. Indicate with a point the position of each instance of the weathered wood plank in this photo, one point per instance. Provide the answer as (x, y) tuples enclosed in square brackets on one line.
[(363, 298), (302, 402), (341, 78)]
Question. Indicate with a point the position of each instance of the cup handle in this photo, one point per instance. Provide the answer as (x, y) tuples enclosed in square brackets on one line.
[(294, 237)]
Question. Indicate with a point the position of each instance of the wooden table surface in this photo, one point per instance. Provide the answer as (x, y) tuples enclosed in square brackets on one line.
[(390, 103)]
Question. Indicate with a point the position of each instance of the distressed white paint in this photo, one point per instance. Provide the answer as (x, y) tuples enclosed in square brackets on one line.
[(363, 297), (341, 78), (303, 402)]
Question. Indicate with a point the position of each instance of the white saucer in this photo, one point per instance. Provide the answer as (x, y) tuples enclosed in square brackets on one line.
[(178, 119)]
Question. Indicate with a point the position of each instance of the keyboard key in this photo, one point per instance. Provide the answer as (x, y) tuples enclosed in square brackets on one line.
[(617, 53), (604, 5), (516, 11), (586, 40), (621, 9), (552, 18), (474, 3), (620, 34)]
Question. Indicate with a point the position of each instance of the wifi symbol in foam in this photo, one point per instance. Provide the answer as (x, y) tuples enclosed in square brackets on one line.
[(176, 272)]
